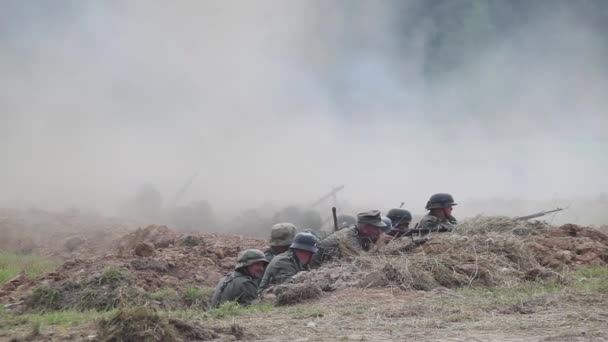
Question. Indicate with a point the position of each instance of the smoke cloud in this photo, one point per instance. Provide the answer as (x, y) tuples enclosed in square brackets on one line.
[(278, 101)]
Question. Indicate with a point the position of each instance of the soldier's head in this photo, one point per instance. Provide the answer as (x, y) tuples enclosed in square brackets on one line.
[(304, 246), (281, 236), (389, 224), (370, 225), (345, 221), (401, 218), (252, 262), (441, 205)]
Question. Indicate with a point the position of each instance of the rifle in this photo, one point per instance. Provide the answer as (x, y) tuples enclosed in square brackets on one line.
[(333, 213), (538, 214)]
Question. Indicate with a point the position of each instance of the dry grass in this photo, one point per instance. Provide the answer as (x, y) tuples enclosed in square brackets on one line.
[(500, 225)]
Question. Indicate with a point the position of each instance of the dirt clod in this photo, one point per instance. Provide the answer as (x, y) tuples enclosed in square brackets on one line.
[(144, 249), (74, 243), (290, 295)]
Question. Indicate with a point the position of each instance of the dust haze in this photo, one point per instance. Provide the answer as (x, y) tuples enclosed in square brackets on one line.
[(276, 102)]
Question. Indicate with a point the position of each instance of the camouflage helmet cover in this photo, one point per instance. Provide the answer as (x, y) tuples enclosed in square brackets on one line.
[(399, 216), (282, 234), (305, 241), (249, 257), (440, 200)]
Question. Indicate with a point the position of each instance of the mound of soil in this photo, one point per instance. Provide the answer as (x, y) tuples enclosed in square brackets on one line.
[(570, 246), (156, 236), (494, 257), (145, 324), (178, 266)]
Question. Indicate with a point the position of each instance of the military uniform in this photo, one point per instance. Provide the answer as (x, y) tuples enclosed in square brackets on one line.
[(286, 265), (281, 269), (270, 254), (434, 223), (347, 242), (342, 243), (238, 285), (437, 224), (235, 286)]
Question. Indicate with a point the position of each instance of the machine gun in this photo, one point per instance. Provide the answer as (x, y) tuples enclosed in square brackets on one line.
[(538, 214)]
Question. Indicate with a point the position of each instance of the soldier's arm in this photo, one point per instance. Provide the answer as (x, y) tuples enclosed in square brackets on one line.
[(215, 299), (429, 222), (317, 259), (265, 282), (452, 220), (283, 272), (328, 251), (248, 291)]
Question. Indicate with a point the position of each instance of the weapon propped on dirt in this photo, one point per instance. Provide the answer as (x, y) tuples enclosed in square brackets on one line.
[(335, 217), (538, 214)]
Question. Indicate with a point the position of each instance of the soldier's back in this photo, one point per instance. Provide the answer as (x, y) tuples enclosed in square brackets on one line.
[(235, 286), (342, 243), (280, 269), (436, 224)]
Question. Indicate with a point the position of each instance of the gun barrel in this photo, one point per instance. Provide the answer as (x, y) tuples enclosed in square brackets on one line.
[(539, 214)]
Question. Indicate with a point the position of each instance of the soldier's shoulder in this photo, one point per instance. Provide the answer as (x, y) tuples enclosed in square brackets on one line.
[(240, 275), (335, 237), (281, 259), (240, 278), (269, 254), (429, 218)]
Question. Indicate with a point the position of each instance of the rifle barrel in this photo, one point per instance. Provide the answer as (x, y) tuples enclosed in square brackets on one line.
[(539, 214)]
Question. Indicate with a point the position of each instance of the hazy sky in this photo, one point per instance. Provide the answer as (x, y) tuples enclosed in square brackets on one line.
[(278, 101)]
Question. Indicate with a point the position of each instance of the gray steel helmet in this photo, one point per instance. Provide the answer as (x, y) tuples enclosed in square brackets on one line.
[(399, 216), (441, 200), (305, 241), (389, 224), (345, 221), (282, 234), (249, 257)]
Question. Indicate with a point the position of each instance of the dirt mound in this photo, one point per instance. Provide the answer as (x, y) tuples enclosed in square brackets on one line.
[(570, 246), (290, 295), (446, 261), (145, 324), (157, 236), (104, 291), (137, 324), (176, 276), (502, 252)]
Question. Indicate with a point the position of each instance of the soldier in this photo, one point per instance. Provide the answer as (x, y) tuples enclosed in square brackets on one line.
[(286, 265), (353, 240), (401, 219), (439, 218), (388, 222), (281, 236), (241, 285), (345, 221)]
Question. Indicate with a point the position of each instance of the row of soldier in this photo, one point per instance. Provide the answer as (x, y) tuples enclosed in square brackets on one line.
[(290, 253)]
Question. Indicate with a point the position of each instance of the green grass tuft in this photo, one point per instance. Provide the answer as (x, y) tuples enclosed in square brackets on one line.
[(113, 276), (163, 294), (197, 297), (33, 266), (44, 298)]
